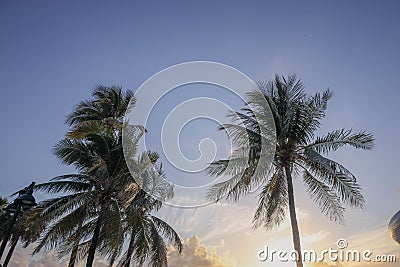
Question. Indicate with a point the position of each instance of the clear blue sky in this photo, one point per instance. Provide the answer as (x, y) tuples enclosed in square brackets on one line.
[(53, 53)]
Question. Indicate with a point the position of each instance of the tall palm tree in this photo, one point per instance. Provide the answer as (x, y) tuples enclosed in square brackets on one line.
[(90, 218), (297, 117), (102, 114)]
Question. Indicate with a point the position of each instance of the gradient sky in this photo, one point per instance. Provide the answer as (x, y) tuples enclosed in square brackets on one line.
[(54, 53)]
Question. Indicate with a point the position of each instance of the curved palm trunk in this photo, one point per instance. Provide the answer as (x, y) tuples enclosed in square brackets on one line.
[(74, 253), (10, 252), (73, 256), (130, 250), (93, 245), (95, 238), (293, 217), (113, 257)]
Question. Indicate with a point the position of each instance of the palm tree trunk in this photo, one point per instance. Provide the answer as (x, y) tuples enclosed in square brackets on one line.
[(95, 240), (130, 250), (113, 257), (73, 256), (9, 254), (9, 230), (74, 252), (293, 218)]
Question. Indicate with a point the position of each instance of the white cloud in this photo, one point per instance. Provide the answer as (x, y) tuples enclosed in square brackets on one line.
[(310, 239)]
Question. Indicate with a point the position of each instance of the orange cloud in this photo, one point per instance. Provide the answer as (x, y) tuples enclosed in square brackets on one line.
[(195, 254)]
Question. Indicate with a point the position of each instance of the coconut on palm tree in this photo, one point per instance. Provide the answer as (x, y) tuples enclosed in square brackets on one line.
[(298, 152)]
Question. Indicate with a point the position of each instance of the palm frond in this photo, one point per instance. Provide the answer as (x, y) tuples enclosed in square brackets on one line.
[(339, 138), (342, 180), (231, 189), (323, 195), (168, 232), (63, 187), (59, 231), (158, 256)]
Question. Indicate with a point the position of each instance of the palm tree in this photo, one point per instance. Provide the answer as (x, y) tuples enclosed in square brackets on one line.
[(102, 114), (95, 194), (26, 229), (101, 207), (91, 216), (140, 223), (298, 151)]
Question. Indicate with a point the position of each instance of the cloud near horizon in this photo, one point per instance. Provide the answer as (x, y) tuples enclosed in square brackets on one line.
[(195, 254), (22, 257)]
